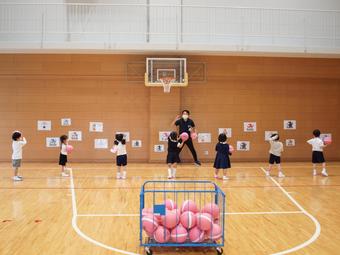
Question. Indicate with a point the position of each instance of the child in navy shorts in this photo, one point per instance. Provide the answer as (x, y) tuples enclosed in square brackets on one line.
[(174, 145), (317, 154), (121, 160)]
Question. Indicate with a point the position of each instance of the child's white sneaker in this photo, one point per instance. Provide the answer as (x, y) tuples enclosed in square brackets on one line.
[(63, 174), (17, 178), (324, 172), (314, 172), (267, 173), (281, 175), (118, 176), (225, 178)]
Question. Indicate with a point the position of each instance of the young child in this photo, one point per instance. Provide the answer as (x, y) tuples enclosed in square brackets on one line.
[(222, 160), (17, 144), (174, 145), (276, 148), (63, 155), (120, 148), (317, 155)]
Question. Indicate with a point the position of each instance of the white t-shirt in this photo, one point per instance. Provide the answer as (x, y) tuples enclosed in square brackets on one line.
[(317, 144), (120, 149), (63, 149), (17, 148), (276, 147)]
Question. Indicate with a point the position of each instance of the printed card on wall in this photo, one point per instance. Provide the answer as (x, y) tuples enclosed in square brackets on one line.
[(249, 126), (75, 135), (243, 145), (65, 122), (52, 142), (163, 136), (126, 135), (289, 124), (323, 136), (101, 143), (227, 131), (268, 134), (159, 148), (136, 143), (44, 125), (290, 142), (96, 126), (204, 138)]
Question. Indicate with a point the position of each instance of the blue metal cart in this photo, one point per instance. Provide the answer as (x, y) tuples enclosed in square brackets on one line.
[(154, 193)]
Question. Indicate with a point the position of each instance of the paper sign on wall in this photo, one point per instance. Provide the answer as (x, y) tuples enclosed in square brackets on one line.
[(243, 145), (52, 142), (163, 136), (227, 131), (290, 142), (323, 136), (289, 124), (136, 143), (159, 148), (44, 125), (75, 135), (101, 143), (66, 122), (126, 135), (249, 126), (204, 138), (96, 126), (268, 134)]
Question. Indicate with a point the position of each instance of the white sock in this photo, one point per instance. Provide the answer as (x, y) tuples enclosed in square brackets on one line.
[(124, 174), (118, 174), (169, 172), (174, 172)]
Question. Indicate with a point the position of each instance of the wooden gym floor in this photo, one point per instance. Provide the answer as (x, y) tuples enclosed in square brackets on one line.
[(93, 213)]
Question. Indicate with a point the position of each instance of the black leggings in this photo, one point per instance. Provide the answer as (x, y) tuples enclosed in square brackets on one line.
[(191, 148)]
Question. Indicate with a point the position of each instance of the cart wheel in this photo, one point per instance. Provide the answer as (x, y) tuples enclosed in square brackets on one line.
[(148, 251), (219, 251)]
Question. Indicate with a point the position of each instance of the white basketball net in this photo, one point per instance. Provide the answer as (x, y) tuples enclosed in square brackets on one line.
[(167, 83)]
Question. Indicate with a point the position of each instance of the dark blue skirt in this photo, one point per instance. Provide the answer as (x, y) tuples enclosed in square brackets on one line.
[(222, 161)]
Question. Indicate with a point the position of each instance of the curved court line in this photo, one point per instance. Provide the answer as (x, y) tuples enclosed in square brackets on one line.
[(316, 223), (81, 233)]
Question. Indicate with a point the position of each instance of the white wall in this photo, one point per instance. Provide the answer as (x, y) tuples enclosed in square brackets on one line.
[(130, 24)]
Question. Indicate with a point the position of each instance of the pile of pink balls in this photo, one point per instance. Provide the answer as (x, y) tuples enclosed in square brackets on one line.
[(184, 224)]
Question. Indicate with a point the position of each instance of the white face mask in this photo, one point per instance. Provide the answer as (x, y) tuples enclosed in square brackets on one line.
[(185, 117)]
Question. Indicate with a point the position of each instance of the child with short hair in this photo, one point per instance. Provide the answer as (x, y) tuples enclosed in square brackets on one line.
[(18, 142), (121, 160), (276, 148), (222, 160), (174, 145), (63, 155), (317, 154)]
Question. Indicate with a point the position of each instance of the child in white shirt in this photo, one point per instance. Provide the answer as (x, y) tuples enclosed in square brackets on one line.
[(63, 155), (317, 154), (276, 148), (17, 144), (120, 149)]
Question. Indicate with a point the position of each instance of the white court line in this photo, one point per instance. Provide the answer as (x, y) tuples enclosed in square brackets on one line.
[(82, 234), (227, 213), (316, 223)]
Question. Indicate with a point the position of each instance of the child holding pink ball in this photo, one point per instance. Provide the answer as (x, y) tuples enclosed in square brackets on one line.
[(174, 145), (63, 154), (222, 160)]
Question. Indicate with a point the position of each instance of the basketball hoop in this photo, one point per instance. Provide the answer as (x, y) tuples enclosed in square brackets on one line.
[(167, 83)]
